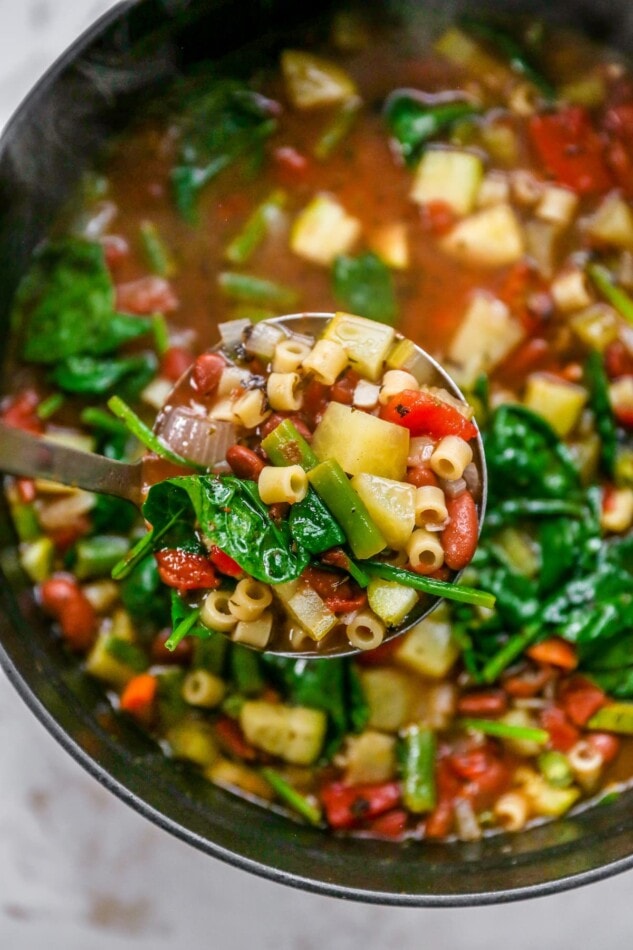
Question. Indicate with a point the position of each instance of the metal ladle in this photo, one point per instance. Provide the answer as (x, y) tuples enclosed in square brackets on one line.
[(31, 456)]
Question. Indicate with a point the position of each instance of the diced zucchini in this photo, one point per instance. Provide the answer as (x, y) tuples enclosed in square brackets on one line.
[(612, 223), (236, 775), (313, 82), (390, 601), (406, 356), (616, 717), (487, 333), (391, 505), (429, 647), (101, 664), (36, 558), (361, 443), (389, 696), (323, 230), (490, 238), (294, 733), (450, 176), (193, 740), (390, 243), (366, 342), (556, 400), (596, 326), (307, 608), (588, 91), (370, 757), (544, 799)]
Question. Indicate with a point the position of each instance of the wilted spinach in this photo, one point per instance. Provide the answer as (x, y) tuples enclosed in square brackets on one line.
[(364, 285)]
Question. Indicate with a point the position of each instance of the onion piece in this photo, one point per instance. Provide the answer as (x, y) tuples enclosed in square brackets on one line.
[(232, 333), (421, 448), (262, 340), (64, 512), (472, 479), (453, 488), (195, 437)]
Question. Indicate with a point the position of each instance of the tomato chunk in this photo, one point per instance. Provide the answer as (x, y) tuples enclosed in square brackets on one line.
[(423, 413), (348, 805), (571, 150), (185, 570)]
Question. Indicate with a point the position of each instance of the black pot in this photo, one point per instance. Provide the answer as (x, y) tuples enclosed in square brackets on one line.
[(89, 94)]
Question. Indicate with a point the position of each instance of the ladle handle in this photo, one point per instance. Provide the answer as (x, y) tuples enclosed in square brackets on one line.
[(33, 457)]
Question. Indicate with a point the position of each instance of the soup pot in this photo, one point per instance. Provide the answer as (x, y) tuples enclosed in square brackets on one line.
[(89, 95)]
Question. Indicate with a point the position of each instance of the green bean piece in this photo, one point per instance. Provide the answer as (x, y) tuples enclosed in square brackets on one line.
[(243, 245), (181, 630), (617, 297), (333, 487), (513, 52), (145, 435), (617, 717), (505, 730), (25, 522), (157, 254), (49, 406), (232, 705), (513, 509), (161, 333), (100, 419), (298, 802), (428, 585), (417, 751), (256, 290), (555, 768), (286, 446), (338, 129), (597, 379), (245, 671), (128, 653), (96, 556), (509, 652)]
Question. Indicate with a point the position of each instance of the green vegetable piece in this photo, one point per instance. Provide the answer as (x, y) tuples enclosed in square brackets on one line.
[(513, 648), (230, 514), (25, 521), (245, 671), (256, 290), (312, 526), (614, 295), (332, 485), (414, 120), (161, 333), (143, 594), (428, 585), (210, 654), (100, 419), (298, 802), (505, 730), (241, 248), (416, 752), (555, 768), (49, 406), (127, 653), (599, 400), (145, 435), (286, 446), (65, 305), (95, 377), (617, 717), (338, 129), (96, 556), (516, 56), (364, 285), (158, 256)]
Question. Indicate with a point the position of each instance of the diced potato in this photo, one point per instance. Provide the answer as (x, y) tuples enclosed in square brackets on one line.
[(617, 512), (294, 733), (487, 333), (570, 290), (361, 443), (390, 243), (544, 799), (370, 757), (557, 205), (596, 326), (323, 230), (612, 223), (307, 608), (450, 176), (193, 740), (366, 342), (558, 401), (388, 693), (103, 666), (391, 505), (541, 244), (429, 648), (390, 601), (494, 189), (236, 775), (313, 82), (490, 238)]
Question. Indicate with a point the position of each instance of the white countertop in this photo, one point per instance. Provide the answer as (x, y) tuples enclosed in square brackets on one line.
[(81, 871)]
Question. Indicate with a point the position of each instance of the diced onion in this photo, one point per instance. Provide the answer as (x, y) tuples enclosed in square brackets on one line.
[(65, 511), (420, 450), (472, 479), (453, 488), (197, 438), (232, 333), (263, 339)]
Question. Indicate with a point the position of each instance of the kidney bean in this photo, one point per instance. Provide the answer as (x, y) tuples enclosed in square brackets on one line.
[(206, 372), (278, 417), (178, 657), (420, 475), (459, 538), (244, 462), (562, 734), (491, 702), (528, 682), (278, 511), (62, 598), (174, 362), (604, 744)]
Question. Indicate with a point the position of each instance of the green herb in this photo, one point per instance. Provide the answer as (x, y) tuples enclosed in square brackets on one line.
[(298, 802), (413, 121), (90, 376), (143, 594), (364, 285), (66, 305)]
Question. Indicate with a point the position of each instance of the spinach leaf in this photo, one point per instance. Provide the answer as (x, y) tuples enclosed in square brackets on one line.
[(143, 593), (599, 399), (66, 305), (223, 120), (413, 119), (229, 513), (112, 514), (312, 526), (95, 377), (364, 285)]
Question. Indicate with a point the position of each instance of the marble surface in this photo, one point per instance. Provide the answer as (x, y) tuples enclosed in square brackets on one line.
[(81, 871)]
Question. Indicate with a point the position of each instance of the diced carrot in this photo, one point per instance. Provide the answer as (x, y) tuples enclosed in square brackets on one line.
[(555, 652), (138, 697)]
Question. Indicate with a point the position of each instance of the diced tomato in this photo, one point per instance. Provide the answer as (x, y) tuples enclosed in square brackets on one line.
[(392, 824), (346, 806), (231, 738), (486, 787), (379, 656), (292, 166), (325, 583), (438, 216), (20, 412), (145, 296), (459, 537), (483, 702), (554, 652), (617, 360), (526, 357), (618, 124), (571, 150), (346, 599), (175, 361), (343, 388), (138, 697), (180, 656), (424, 414), (439, 822), (63, 538), (224, 563), (527, 683), (470, 763), (185, 570), (562, 734), (580, 698)]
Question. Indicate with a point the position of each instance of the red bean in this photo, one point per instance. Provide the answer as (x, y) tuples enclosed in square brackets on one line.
[(459, 538), (206, 372), (420, 475), (174, 362), (604, 744), (492, 702), (63, 599), (244, 462)]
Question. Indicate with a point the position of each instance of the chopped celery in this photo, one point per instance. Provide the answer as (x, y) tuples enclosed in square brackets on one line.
[(193, 740), (294, 733), (405, 355), (36, 558), (298, 802), (307, 608)]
